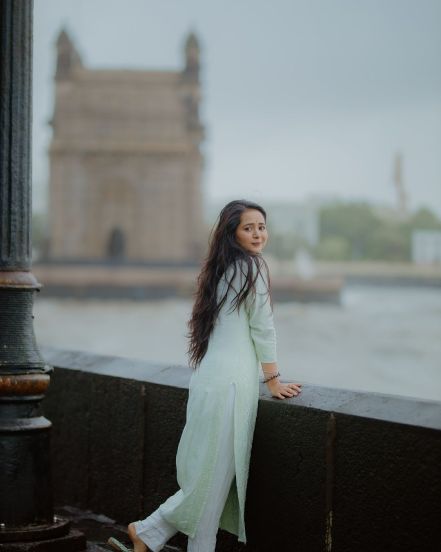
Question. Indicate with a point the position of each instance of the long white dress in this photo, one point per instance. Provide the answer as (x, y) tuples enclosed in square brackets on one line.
[(240, 341)]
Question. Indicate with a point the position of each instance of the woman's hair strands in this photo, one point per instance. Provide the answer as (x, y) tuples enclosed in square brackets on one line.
[(223, 252)]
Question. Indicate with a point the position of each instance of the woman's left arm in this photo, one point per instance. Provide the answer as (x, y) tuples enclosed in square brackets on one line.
[(263, 335)]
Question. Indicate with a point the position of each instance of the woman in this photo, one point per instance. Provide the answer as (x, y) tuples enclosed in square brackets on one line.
[(231, 332)]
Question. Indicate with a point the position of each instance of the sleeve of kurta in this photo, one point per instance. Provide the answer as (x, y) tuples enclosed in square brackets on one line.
[(260, 316)]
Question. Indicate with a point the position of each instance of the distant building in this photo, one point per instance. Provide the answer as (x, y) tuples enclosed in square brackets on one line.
[(426, 246), (125, 162)]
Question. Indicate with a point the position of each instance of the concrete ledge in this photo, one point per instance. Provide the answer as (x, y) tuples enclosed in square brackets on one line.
[(331, 470)]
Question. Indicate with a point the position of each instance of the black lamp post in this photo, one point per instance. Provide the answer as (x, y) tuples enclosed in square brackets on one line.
[(26, 509)]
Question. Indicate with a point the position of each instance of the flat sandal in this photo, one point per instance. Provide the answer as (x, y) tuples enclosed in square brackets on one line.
[(117, 545)]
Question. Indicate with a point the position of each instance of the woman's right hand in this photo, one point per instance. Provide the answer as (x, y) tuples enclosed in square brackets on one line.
[(283, 390)]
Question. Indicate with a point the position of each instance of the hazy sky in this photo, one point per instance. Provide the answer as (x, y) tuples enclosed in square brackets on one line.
[(301, 97)]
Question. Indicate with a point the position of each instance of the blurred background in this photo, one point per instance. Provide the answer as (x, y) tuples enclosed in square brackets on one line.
[(150, 116)]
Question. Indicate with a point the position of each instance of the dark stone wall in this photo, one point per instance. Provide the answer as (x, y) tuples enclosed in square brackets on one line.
[(332, 470)]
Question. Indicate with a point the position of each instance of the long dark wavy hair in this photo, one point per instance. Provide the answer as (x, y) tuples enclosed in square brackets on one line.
[(223, 251)]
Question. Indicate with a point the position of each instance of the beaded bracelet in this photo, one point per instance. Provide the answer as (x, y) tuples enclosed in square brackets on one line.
[(271, 377)]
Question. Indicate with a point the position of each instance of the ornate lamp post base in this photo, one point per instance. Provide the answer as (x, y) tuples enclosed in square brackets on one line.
[(27, 533), (73, 541), (26, 510)]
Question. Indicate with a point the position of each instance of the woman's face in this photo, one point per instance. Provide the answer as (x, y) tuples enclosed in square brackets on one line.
[(251, 234)]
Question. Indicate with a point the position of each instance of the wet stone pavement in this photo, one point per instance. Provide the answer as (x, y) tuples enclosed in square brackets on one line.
[(98, 528)]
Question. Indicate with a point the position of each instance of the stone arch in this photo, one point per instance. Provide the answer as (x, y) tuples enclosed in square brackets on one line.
[(116, 244), (115, 227)]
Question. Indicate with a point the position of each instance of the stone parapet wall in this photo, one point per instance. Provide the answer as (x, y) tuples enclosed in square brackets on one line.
[(332, 470)]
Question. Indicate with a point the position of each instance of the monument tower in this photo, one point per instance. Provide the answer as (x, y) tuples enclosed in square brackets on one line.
[(125, 162), (399, 185)]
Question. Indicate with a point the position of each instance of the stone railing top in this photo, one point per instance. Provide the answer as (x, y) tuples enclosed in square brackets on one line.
[(380, 406)]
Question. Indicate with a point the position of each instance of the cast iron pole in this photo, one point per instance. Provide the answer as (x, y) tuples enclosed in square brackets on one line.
[(26, 509)]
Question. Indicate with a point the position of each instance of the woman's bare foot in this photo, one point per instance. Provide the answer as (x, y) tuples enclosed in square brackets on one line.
[(138, 545)]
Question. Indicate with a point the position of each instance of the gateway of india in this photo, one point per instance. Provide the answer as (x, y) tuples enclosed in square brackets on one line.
[(125, 163)]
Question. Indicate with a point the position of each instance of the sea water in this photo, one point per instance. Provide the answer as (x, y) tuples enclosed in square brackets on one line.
[(382, 339)]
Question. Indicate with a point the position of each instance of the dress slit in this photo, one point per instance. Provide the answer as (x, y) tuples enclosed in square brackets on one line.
[(221, 482)]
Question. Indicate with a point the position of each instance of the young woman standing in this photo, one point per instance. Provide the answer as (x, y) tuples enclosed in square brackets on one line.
[(231, 334)]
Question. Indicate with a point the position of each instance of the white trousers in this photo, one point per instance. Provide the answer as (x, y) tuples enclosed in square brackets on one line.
[(155, 530)]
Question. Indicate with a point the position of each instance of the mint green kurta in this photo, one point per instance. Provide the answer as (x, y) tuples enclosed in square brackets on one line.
[(239, 342)]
